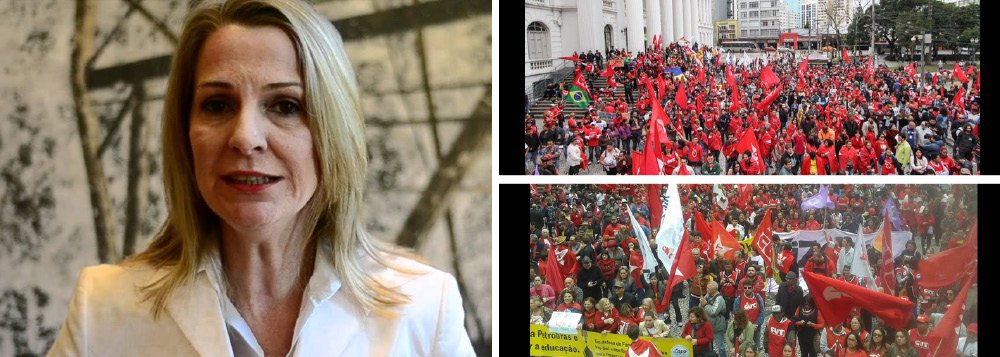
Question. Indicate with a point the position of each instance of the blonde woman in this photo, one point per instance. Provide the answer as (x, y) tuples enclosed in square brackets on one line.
[(263, 252)]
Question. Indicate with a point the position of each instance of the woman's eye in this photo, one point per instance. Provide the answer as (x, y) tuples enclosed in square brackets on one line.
[(285, 108), (215, 106)]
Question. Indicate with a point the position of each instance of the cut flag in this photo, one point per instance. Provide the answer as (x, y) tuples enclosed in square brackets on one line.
[(766, 103), (670, 240), (859, 260), (762, 241), (571, 58), (835, 299), (883, 242), (846, 57), (553, 276)]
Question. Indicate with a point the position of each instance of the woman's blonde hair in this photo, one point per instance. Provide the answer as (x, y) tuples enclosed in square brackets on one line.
[(333, 214)]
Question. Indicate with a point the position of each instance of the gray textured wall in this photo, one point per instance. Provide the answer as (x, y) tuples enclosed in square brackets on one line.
[(46, 225)]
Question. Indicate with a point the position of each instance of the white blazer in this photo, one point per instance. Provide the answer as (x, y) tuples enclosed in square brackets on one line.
[(108, 318)]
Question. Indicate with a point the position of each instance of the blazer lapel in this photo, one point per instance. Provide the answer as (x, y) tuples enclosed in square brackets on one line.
[(195, 308)]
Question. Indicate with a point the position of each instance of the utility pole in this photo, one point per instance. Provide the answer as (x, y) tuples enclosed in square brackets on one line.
[(875, 58)]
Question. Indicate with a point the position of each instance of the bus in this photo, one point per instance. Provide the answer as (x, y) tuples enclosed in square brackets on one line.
[(736, 46)]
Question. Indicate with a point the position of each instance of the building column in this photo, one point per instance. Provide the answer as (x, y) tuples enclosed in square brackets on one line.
[(633, 19), (690, 20), (678, 19), (588, 14), (667, 20), (653, 19)]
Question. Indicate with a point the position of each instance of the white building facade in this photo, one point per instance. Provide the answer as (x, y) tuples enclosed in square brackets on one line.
[(556, 28), (762, 19)]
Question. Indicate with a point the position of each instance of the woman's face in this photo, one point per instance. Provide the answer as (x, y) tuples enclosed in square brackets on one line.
[(855, 324), (587, 305), (877, 336), (900, 338), (786, 351), (568, 298), (253, 152), (692, 318), (538, 281), (622, 274), (852, 341)]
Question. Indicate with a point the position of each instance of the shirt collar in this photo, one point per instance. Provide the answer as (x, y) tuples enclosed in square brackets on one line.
[(323, 283)]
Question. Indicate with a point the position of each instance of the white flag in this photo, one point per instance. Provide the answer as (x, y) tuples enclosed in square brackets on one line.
[(648, 260), (859, 264), (720, 197), (668, 239)]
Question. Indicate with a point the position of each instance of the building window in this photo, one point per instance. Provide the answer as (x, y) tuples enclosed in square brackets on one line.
[(753, 5), (538, 41), (609, 40)]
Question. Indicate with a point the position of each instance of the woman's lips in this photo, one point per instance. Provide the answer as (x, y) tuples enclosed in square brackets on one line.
[(250, 182)]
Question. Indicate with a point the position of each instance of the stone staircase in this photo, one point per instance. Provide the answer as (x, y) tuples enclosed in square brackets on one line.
[(537, 110)]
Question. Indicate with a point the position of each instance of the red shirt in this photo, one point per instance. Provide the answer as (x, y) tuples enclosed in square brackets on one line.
[(642, 347), (751, 306), (836, 342), (715, 141), (777, 333), (704, 336), (695, 153), (602, 326), (921, 343)]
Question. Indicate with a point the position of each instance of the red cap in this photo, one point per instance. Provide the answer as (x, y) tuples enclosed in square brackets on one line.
[(923, 318)]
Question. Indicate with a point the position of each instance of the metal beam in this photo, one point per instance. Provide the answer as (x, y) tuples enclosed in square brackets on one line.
[(399, 19), (451, 169)]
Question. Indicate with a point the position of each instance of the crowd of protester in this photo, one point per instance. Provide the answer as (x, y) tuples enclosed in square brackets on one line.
[(842, 117), (728, 307)]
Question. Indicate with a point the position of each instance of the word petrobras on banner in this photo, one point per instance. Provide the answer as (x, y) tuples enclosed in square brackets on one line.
[(545, 343)]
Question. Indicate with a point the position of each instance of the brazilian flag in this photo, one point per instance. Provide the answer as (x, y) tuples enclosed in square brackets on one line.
[(578, 96)]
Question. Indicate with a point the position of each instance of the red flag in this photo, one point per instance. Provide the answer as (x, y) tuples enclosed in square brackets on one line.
[(682, 269), (730, 78), (702, 227), (553, 276), (571, 58), (947, 267), (977, 78), (737, 104), (655, 205), (846, 58), (935, 78), (767, 77), (745, 193), (749, 142), (835, 299), (960, 75), (701, 75), (636, 162), (661, 86), (766, 103), (681, 98), (803, 67), (910, 70), (609, 72), (722, 242), (651, 153), (959, 98), (583, 158), (568, 264), (762, 241), (700, 104), (887, 272), (944, 337), (579, 82), (871, 67)]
